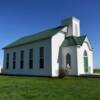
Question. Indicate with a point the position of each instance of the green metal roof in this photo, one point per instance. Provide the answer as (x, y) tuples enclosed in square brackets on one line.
[(36, 37), (72, 41)]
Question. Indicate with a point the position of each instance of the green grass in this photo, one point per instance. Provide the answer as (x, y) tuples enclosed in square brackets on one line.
[(43, 88), (96, 70)]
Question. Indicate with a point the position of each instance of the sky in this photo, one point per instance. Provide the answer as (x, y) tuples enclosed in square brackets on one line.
[(19, 18)]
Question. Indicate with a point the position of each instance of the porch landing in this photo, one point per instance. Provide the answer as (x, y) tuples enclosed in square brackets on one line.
[(94, 75)]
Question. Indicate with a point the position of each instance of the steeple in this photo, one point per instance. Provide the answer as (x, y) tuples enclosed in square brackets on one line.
[(73, 26)]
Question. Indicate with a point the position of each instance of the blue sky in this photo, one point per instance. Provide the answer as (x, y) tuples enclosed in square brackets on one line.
[(24, 17)]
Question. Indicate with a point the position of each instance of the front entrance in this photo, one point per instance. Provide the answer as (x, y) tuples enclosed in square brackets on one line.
[(85, 62)]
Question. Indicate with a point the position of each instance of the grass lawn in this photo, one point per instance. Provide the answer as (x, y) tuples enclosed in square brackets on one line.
[(43, 88)]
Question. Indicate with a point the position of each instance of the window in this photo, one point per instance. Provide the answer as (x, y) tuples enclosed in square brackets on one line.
[(22, 59), (68, 60), (7, 61), (31, 58), (14, 60), (41, 57), (85, 53), (85, 57)]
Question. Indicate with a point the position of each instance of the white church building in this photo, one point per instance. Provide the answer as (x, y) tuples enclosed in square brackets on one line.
[(44, 53)]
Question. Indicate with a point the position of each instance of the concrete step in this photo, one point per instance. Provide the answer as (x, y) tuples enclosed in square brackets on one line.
[(94, 75)]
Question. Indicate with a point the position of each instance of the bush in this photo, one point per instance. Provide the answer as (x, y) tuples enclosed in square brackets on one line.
[(62, 72), (2, 70)]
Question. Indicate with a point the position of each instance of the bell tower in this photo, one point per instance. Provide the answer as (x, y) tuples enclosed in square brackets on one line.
[(73, 26)]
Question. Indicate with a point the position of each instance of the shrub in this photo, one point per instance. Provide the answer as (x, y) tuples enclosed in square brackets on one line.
[(2, 70), (62, 72)]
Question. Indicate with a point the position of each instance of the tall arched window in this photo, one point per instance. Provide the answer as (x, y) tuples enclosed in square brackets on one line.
[(68, 60), (85, 57)]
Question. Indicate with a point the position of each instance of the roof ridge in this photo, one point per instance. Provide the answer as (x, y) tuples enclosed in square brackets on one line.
[(40, 32), (35, 37)]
